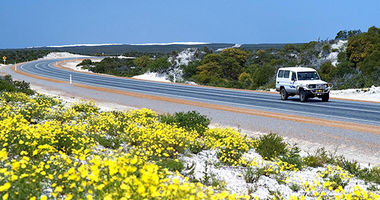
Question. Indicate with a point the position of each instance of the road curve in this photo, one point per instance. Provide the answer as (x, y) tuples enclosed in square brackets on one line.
[(338, 110)]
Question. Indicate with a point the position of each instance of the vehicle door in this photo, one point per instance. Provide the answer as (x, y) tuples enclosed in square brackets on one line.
[(279, 79), (292, 83), (286, 80)]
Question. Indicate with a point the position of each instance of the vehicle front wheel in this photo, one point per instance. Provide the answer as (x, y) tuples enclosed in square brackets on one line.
[(325, 98), (303, 96), (284, 94)]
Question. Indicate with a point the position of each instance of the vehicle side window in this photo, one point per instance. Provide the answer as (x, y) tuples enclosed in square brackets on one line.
[(294, 76), (286, 74), (280, 74)]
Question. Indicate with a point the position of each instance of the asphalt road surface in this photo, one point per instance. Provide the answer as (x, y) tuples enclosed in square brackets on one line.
[(340, 110)]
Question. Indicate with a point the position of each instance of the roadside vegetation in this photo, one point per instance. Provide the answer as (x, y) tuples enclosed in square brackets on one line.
[(49, 150), (352, 64), (22, 55)]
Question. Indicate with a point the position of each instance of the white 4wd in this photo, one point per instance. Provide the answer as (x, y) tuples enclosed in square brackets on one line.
[(301, 81)]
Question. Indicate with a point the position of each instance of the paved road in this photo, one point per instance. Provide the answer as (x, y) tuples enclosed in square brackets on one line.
[(361, 145), (341, 110)]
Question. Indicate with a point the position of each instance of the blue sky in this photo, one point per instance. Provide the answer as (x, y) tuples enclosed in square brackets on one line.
[(26, 23)]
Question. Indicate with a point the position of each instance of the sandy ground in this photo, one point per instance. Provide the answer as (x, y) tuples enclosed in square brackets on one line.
[(71, 99)]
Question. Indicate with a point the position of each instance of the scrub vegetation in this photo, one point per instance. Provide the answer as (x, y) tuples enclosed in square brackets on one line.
[(355, 64)]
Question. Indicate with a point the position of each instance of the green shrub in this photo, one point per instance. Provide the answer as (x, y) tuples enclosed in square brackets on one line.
[(371, 175), (253, 174), (271, 146), (320, 158), (191, 121), (171, 164), (112, 142), (85, 62), (293, 157), (8, 85), (294, 187)]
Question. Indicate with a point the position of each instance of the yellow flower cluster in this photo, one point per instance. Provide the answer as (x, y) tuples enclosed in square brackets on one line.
[(60, 157), (332, 186), (49, 151), (230, 143), (39, 107)]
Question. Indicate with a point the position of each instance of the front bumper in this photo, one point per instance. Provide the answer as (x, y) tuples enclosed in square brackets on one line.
[(317, 92)]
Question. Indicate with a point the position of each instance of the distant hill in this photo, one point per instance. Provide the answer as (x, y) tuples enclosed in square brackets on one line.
[(119, 49)]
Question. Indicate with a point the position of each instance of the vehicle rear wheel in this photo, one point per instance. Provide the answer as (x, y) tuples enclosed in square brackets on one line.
[(325, 98), (303, 96), (284, 94)]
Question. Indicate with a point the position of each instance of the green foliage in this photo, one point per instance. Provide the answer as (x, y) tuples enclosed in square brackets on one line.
[(326, 48), (344, 34), (253, 174), (209, 73), (231, 68), (237, 54), (370, 174), (8, 85), (190, 69), (319, 158), (371, 68), (221, 69), (85, 62), (191, 121), (359, 47), (293, 157), (171, 164), (322, 157), (326, 71), (142, 61), (245, 79), (271, 146), (159, 65), (263, 74), (88, 108), (337, 181), (118, 67), (112, 142), (294, 187), (17, 56)]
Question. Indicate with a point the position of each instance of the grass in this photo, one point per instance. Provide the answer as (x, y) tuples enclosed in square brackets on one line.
[(271, 146), (190, 121)]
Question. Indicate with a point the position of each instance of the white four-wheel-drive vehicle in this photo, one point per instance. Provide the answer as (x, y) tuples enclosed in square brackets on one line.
[(301, 81)]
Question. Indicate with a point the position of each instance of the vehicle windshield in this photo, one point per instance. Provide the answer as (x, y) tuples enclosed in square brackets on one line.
[(307, 76)]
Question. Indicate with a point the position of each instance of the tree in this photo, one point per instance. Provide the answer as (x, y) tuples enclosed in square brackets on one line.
[(85, 62), (344, 34), (361, 46), (212, 58), (231, 68), (371, 68), (159, 65), (263, 74), (237, 54), (208, 72), (190, 69), (326, 71), (206, 50), (245, 79), (142, 61)]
